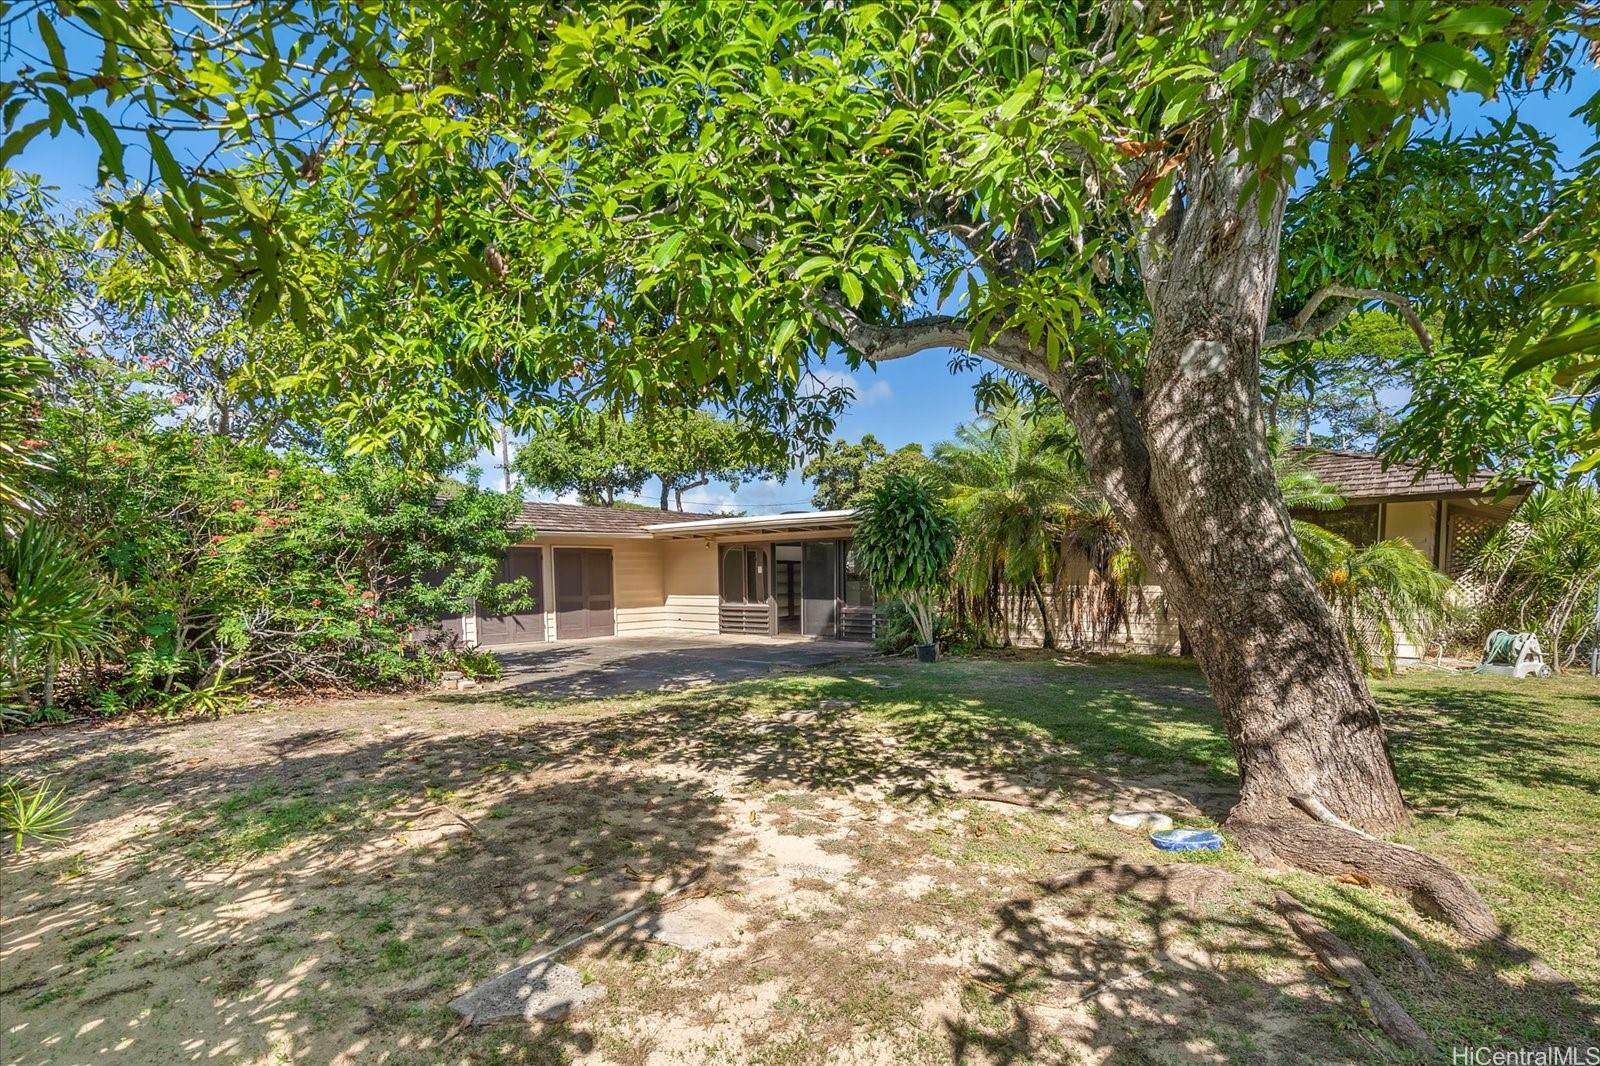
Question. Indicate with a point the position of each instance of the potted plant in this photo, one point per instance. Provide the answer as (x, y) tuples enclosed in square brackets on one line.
[(905, 538)]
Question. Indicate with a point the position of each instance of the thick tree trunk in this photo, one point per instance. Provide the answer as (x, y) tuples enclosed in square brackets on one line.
[(1182, 456)]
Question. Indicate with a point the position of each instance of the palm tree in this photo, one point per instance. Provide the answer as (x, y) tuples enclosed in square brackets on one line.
[(1380, 592), (1015, 481)]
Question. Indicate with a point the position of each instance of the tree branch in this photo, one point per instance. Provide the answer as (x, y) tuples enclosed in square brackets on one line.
[(879, 344), (1308, 325)]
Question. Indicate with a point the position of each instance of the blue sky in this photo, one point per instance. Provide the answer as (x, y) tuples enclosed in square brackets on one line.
[(917, 399)]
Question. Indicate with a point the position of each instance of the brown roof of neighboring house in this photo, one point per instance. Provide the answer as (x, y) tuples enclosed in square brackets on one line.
[(579, 518), (1362, 476)]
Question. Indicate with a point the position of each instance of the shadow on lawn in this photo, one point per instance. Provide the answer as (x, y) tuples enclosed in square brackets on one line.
[(1452, 744), (208, 916), (205, 910), (1176, 987), (204, 916), (1161, 990)]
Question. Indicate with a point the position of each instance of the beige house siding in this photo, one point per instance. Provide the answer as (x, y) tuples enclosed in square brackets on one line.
[(637, 586), (689, 570), (1417, 521)]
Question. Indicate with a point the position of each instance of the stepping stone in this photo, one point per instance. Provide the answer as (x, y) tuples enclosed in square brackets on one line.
[(543, 991), (1140, 819), (694, 926)]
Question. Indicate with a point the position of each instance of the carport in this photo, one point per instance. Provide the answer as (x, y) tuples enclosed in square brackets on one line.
[(620, 665)]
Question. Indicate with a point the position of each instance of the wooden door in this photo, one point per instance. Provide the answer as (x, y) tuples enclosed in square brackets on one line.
[(584, 594), (523, 626)]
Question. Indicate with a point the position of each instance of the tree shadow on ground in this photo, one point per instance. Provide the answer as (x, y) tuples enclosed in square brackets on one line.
[(1166, 988), (1451, 746), (482, 835), (210, 842), (1210, 972), (200, 909)]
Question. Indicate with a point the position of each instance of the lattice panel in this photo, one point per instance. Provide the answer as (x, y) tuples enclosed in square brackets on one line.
[(1465, 537)]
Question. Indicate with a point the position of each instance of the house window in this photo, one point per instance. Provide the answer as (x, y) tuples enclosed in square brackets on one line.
[(744, 574), (857, 590), (1356, 523)]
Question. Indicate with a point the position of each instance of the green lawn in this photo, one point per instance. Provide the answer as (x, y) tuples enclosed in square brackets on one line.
[(315, 883), (1512, 767)]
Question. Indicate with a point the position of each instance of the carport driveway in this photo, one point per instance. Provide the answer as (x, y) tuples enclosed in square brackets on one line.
[(615, 666)]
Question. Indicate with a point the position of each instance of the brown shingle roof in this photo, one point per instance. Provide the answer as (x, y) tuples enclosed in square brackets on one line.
[(578, 518), (1361, 476)]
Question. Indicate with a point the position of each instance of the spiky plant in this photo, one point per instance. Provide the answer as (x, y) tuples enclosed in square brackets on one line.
[(904, 541), (1015, 482), (36, 812), (54, 605)]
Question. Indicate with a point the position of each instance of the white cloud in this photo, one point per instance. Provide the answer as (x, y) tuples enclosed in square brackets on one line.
[(876, 391)]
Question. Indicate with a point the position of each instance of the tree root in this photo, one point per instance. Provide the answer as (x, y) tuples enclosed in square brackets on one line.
[(1337, 956), (1431, 886)]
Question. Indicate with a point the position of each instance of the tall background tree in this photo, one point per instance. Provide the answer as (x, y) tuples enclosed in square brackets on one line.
[(843, 473), (601, 457), (686, 204), (1343, 390)]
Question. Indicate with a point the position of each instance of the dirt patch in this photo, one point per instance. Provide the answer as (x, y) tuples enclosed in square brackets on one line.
[(317, 884), (1173, 884)]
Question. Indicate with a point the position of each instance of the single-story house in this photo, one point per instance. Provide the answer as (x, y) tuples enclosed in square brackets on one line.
[(603, 571)]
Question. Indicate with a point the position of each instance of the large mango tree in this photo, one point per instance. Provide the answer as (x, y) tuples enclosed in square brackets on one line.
[(479, 210)]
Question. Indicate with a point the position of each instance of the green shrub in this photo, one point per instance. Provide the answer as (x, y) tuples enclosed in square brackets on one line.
[(898, 632), (904, 541), (240, 561), (479, 665), (54, 605)]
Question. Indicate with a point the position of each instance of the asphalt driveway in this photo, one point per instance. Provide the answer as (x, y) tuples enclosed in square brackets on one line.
[(615, 666)]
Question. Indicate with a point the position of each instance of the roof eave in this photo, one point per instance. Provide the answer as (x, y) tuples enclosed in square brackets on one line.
[(804, 521)]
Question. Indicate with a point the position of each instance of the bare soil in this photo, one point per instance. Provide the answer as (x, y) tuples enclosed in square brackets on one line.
[(316, 883)]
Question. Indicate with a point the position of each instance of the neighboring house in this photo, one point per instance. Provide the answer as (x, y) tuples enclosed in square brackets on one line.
[(1445, 519), (603, 571)]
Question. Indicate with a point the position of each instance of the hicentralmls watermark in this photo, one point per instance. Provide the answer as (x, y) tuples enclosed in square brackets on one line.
[(1572, 1055)]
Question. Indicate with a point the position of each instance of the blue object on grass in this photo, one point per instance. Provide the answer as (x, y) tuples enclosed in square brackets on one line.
[(1187, 839)]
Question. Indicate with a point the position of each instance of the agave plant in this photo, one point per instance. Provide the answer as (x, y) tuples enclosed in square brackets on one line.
[(54, 605), (38, 811)]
